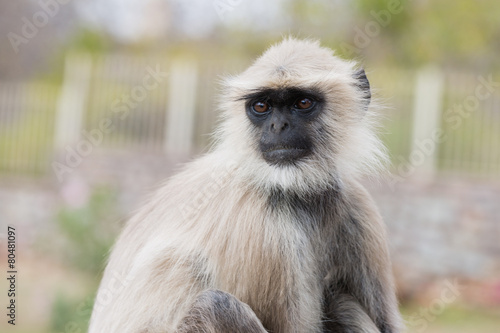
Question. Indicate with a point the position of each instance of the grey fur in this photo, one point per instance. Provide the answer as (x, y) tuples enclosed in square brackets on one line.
[(233, 244)]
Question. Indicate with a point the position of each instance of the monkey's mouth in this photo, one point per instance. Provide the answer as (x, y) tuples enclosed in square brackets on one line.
[(282, 155)]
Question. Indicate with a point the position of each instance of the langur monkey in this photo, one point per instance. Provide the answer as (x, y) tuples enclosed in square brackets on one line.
[(270, 231)]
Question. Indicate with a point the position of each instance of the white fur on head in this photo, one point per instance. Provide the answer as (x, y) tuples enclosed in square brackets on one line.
[(345, 142)]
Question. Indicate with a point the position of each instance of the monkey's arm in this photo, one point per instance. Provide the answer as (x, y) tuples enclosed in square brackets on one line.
[(219, 312), (361, 288)]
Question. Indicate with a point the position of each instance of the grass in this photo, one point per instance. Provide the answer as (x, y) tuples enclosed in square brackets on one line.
[(457, 319)]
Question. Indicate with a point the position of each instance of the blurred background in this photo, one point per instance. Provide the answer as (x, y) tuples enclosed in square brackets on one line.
[(101, 100)]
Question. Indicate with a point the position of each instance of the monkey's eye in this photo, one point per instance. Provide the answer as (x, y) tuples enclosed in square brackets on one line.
[(303, 103), (260, 107)]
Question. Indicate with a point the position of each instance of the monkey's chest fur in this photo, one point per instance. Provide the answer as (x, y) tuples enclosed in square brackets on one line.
[(276, 264)]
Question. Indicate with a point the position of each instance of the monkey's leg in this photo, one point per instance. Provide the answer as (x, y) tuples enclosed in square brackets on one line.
[(215, 311), (346, 315)]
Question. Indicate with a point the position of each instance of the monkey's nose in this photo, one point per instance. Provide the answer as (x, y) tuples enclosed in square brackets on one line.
[(278, 127)]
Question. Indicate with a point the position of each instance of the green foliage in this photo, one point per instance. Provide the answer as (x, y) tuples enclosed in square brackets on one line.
[(447, 31), (457, 318), (91, 41), (88, 234), (69, 315), (399, 12), (89, 231)]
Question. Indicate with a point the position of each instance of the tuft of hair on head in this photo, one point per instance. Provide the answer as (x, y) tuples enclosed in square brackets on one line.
[(347, 145)]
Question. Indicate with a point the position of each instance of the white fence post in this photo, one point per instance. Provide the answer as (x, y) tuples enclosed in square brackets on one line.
[(426, 120), (181, 106), (72, 100)]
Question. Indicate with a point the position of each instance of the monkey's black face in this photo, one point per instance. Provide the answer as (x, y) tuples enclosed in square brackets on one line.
[(283, 119)]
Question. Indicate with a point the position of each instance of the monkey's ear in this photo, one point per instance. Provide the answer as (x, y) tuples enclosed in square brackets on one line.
[(363, 84)]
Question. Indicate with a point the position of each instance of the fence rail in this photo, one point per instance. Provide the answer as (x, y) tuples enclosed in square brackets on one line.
[(166, 106)]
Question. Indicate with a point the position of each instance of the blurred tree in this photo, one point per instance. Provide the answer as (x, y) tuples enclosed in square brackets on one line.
[(454, 32), (458, 31), (88, 235), (91, 41), (69, 315), (88, 231)]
